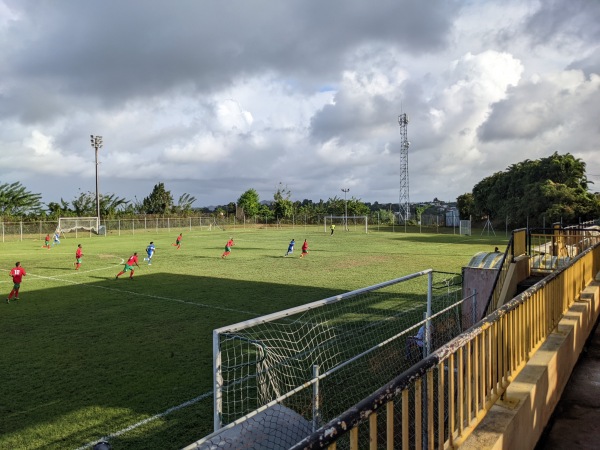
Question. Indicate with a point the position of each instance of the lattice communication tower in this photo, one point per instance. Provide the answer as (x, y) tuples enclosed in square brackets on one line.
[(403, 202)]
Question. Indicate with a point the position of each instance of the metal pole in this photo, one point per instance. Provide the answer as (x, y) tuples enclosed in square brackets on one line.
[(96, 142), (345, 191)]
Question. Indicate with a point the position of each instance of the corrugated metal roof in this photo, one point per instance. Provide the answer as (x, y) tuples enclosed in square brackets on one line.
[(486, 260)]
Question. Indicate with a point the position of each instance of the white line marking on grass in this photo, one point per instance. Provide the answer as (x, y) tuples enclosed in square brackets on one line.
[(149, 419)]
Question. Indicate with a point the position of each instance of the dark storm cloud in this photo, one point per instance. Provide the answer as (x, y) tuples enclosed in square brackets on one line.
[(564, 22), (119, 50)]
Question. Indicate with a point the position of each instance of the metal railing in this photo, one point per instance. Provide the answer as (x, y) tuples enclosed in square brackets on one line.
[(439, 401)]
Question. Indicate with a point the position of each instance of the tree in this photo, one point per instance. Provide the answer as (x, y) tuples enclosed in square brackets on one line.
[(551, 189), (419, 210), (249, 202), (160, 201), (56, 210), (15, 200), (465, 205), (110, 204), (282, 205), (85, 205), (265, 212), (184, 205)]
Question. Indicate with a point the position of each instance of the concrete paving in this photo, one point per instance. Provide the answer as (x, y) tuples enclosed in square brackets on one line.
[(575, 423)]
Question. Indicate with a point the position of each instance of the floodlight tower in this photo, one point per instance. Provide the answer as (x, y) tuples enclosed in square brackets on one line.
[(96, 142), (345, 191), (403, 202)]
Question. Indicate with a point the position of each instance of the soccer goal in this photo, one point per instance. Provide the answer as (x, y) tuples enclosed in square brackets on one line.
[(465, 227), (340, 349), (77, 224), (347, 223)]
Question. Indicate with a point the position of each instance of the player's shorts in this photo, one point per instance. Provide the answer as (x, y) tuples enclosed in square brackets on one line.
[(177, 242), (150, 255), (127, 268), (47, 242), (78, 260), (17, 285), (227, 249), (304, 251)]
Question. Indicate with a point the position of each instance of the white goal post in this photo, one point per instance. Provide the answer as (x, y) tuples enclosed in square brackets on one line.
[(75, 224), (465, 227), (346, 223)]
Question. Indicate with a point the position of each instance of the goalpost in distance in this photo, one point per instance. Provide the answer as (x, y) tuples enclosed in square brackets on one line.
[(353, 222), (75, 224)]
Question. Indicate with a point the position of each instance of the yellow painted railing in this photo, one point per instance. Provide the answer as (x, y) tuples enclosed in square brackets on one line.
[(438, 402)]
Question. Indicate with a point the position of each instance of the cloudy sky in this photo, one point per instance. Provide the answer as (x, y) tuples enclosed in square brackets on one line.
[(215, 97)]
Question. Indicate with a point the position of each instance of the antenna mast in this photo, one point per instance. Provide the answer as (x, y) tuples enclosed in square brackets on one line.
[(403, 202)]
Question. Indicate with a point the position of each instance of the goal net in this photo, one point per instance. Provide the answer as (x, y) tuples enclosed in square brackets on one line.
[(75, 224), (349, 223), (465, 227), (339, 349)]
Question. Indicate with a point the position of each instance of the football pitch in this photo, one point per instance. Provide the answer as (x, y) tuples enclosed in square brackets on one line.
[(86, 356)]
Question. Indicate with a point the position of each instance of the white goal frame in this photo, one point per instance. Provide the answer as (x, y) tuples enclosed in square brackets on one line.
[(465, 227), (75, 224), (218, 379), (344, 220)]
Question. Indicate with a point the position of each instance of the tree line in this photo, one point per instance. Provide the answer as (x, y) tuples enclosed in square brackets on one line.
[(16, 202), (535, 193), (546, 190)]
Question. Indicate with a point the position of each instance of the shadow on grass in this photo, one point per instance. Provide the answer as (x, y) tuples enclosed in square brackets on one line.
[(98, 357), (105, 355)]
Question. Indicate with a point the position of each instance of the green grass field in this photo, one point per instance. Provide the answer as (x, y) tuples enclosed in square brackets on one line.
[(86, 356)]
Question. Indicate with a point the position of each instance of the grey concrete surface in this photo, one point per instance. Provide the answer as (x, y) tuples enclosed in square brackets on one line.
[(575, 423)]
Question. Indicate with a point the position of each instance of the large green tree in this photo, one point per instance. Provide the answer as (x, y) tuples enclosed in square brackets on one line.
[(249, 202), (283, 207), (547, 190), (465, 205), (160, 201), (16, 200)]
